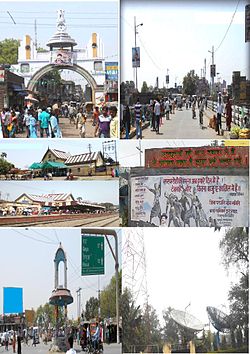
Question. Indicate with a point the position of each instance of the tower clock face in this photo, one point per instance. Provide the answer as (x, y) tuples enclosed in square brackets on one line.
[(61, 27), (27, 47)]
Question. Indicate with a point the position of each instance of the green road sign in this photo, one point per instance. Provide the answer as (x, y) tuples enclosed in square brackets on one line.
[(92, 255)]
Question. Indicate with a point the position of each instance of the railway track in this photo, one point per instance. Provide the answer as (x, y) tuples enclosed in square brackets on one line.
[(112, 220)]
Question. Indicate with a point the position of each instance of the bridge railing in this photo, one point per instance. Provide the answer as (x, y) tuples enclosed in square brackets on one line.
[(238, 113)]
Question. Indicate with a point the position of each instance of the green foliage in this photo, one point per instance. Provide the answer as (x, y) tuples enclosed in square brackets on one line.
[(170, 329), (45, 315), (9, 51), (141, 328), (108, 297), (190, 83), (144, 88), (239, 303), (5, 166), (41, 50), (235, 247), (91, 308)]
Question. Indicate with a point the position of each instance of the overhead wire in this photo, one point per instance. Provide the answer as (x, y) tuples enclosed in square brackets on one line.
[(228, 26), (34, 239)]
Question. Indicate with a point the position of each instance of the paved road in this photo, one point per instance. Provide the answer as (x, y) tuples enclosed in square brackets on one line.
[(182, 126), (69, 130), (44, 349)]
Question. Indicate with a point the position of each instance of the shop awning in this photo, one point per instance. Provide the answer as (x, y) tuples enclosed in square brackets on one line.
[(36, 166), (52, 164)]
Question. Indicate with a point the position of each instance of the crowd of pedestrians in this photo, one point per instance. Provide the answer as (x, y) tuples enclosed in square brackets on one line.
[(45, 122)]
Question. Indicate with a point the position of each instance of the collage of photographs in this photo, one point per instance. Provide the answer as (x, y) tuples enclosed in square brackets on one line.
[(124, 176)]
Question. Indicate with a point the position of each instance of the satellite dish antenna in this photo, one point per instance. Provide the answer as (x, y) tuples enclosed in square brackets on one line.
[(220, 320), (187, 321)]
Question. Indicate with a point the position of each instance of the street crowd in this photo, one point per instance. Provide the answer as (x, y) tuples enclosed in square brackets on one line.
[(45, 122), (154, 112)]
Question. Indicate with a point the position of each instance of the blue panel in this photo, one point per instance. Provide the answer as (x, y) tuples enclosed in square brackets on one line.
[(12, 300)]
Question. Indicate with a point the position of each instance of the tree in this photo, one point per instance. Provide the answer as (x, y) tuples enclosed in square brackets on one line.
[(3, 155), (91, 308), (9, 51), (108, 297), (239, 305), (170, 329), (144, 88), (190, 83), (5, 166), (45, 315), (235, 247)]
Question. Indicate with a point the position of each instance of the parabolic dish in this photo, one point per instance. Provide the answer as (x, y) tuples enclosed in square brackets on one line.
[(186, 320), (219, 319)]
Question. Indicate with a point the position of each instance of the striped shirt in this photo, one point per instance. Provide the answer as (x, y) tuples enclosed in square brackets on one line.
[(137, 109)]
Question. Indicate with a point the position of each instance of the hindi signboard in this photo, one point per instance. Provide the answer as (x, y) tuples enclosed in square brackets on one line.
[(190, 200), (197, 157), (92, 255)]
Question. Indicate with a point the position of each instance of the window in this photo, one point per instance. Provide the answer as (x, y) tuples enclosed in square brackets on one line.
[(78, 170), (25, 68), (98, 66)]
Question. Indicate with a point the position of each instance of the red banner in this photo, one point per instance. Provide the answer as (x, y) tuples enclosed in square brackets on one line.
[(197, 157)]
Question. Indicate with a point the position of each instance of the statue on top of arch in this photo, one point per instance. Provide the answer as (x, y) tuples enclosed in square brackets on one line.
[(61, 26)]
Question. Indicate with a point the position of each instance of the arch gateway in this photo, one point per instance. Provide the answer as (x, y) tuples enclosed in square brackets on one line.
[(76, 68), (88, 62)]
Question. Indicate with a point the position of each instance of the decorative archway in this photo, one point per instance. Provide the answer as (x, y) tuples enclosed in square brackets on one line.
[(78, 69)]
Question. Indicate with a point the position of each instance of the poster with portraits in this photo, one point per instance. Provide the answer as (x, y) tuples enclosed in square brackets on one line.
[(62, 57)]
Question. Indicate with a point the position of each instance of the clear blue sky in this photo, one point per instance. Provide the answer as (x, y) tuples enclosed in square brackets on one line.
[(22, 152), (177, 35), (28, 262), (82, 18), (93, 191)]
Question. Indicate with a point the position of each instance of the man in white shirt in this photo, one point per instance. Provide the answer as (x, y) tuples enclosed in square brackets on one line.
[(219, 111), (157, 112)]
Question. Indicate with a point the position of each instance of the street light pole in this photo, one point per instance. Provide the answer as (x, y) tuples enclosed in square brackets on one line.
[(212, 77), (135, 30)]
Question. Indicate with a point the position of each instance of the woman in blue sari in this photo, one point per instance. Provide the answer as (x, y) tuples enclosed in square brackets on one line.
[(33, 125)]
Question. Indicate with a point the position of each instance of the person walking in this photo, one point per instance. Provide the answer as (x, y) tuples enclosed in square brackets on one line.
[(32, 125), (19, 346), (127, 121), (14, 342), (138, 119), (6, 340), (228, 109), (43, 119), (103, 126), (113, 122), (55, 131), (81, 122), (71, 349), (219, 111), (157, 112)]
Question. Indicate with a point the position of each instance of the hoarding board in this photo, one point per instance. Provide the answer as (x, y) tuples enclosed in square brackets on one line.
[(92, 255), (12, 300), (111, 71), (197, 157), (189, 200), (62, 57), (136, 57)]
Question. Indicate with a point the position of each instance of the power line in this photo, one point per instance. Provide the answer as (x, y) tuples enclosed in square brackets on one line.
[(228, 26), (34, 239)]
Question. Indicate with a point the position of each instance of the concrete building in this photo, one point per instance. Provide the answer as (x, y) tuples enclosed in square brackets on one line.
[(89, 62)]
